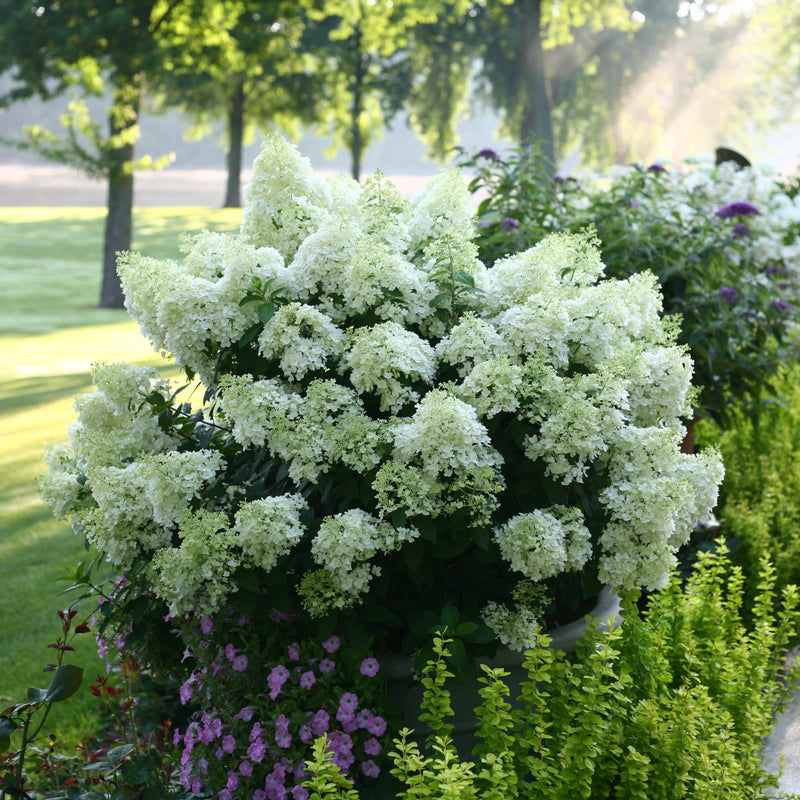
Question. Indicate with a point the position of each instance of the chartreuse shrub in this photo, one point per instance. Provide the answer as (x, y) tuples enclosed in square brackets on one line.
[(672, 704), (758, 502)]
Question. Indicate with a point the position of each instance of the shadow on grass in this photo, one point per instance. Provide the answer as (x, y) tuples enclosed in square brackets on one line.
[(27, 393)]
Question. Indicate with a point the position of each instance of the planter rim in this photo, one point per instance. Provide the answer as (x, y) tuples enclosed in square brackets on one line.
[(563, 637)]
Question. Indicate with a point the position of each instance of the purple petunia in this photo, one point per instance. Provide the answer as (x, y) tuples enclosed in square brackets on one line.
[(277, 677), (728, 294), (372, 747), (320, 723), (307, 679), (299, 793), (369, 667), (331, 644), (206, 625), (370, 768), (326, 666), (349, 701), (239, 663), (257, 751), (294, 651), (377, 726), (228, 744), (740, 208), (246, 769)]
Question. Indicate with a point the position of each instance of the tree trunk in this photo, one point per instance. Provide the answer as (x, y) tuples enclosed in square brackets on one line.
[(119, 220), (236, 106), (537, 123), (356, 140)]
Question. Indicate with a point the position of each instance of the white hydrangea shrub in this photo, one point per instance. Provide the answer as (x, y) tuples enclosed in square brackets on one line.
[(399, 409)]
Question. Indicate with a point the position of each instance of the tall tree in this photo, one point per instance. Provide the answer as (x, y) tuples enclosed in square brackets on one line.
[(518, 74), (252, 72), (97, 46)]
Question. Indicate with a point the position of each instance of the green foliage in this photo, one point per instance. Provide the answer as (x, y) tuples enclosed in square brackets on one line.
[(758, 498), (326, 781), (670, 705)]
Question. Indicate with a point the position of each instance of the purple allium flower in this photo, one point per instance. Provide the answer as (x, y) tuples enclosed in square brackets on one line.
[(377, 726), (239, 663), (206, 625), (740, 230), (369, 667), (320, 723), (326, 666), (488, 154), (228, 744), (509, 223), (728, 294), (331, 645), (294, 651), (372, 747), (740, 208), (780, 305), (657, 168), (307, 679), (370, 768)]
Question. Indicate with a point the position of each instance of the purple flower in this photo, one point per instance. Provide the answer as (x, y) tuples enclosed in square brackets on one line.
[(740, 208), (370, 768), (488, 154), (326, 666), (228, 744), (347, 719), (369, 667), (186, 690), (283, 738), (307, 679), (257, 751), (239, 663), (656, 168), (305, 733), (299, 793), (294, 651), (377, 726), (482, 223), (728, 294), (740, 230), (509, 223), (349, 701), (276, 679), (246, 769), (255, 731), (233, 781), (230, 652), (259, 794), (320, 723), (780, 305), (206, 625), (246, 714), (372, 747), (363, 717), (331, 645), (774, 269)]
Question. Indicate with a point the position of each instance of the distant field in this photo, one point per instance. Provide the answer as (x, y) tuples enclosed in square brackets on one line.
[(50, 333)]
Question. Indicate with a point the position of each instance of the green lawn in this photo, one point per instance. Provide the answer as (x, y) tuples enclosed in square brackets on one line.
[(51, 331)]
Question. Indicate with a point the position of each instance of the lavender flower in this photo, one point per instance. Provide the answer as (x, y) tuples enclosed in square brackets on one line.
[(740, 208), (488, 154), (509, 223), (728, 294), (740, 230)]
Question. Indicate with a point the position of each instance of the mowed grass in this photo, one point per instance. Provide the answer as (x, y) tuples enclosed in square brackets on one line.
[(51, 331)]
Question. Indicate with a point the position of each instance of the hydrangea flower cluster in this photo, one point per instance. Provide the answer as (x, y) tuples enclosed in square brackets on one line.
[(392, 426), (256, 717)]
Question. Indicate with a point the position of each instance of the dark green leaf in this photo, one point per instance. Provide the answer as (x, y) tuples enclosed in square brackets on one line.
[(65, 683)]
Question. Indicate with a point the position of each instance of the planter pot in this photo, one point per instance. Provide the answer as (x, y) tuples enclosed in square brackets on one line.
[(407, 693)]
